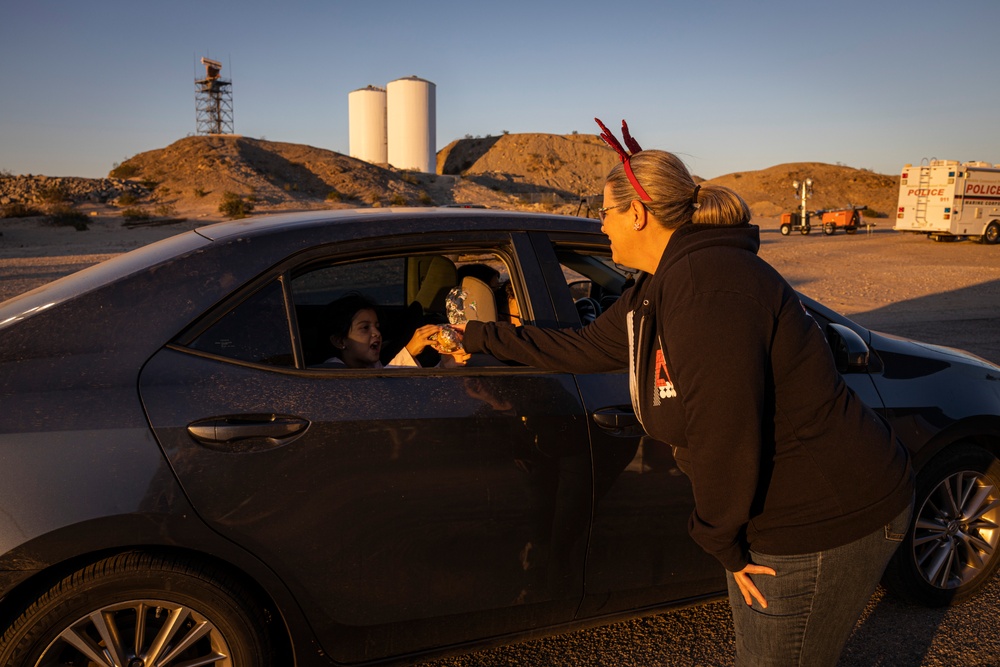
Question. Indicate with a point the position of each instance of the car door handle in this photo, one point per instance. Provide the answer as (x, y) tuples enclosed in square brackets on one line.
[(618, 421), (247, 432)]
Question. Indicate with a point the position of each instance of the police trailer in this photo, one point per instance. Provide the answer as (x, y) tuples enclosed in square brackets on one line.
[(948, 200)]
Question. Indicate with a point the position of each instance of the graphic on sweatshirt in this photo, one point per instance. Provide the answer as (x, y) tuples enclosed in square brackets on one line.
[(661, 380)]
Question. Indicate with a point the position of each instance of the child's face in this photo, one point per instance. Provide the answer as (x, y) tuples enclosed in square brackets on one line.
[(364, 342)]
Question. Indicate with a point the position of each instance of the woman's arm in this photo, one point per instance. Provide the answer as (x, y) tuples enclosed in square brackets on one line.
[(599, 346)]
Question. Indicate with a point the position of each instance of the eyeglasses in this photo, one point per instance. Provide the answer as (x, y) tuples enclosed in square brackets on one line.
[(603, 212)]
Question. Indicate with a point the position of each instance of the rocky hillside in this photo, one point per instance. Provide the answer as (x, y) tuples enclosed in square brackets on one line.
[(564, 165), (769, 192), (513, 171)]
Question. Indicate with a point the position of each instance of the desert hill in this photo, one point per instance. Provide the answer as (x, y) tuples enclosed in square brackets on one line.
[(769, 192), (565, 165), (190, 177)]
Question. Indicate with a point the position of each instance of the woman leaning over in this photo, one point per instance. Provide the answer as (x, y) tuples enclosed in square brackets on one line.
[(801, 491)]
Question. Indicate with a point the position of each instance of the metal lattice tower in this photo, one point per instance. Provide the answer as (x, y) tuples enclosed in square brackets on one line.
[(213, 101)]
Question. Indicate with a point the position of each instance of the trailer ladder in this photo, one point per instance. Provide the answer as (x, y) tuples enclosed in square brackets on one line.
[(923, 190)]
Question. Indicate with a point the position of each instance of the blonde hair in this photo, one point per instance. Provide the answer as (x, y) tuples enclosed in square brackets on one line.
[(672, 193)]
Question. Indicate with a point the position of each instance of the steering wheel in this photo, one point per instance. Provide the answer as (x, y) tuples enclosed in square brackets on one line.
[(588, 309)]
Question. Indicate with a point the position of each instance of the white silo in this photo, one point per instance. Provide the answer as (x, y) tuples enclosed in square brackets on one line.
[(412, 124), (367, 120)]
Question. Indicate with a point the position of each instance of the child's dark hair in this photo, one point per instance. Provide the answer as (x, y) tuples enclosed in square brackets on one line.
[(340, 314)]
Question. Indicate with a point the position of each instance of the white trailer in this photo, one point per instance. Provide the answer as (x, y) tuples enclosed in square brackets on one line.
[(946, 199)]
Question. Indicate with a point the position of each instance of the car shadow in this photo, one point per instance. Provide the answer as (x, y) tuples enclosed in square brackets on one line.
[(894, 633), (965, 318)]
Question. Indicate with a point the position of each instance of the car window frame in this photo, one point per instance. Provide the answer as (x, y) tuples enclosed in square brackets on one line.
[(514, 247)]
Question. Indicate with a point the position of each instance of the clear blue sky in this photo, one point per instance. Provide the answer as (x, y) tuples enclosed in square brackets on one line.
[(728, 85)]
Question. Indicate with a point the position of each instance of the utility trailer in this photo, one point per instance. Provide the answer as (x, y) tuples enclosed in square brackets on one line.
[(848, 219), (790, 221), (950, 200)]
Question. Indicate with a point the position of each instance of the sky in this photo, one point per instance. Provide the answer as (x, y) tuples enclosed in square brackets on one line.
[(728, 85)]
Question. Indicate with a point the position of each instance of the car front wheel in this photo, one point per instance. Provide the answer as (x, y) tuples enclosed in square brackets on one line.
[(139, 609), (950, 551)]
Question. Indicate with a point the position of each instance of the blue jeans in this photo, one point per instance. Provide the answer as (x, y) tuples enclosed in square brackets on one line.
[(813, 602)]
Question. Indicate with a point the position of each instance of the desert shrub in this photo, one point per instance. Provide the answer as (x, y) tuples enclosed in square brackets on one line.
[(53, 194), (18, 210), (149, 183), (398, 200), (234, 206), (872, 213), (375, 199), (425, 199), (199, 193), (334, 196), (66, 216), (410, 177), (165, 210), (127, 199), (124, 171), (135, 214)]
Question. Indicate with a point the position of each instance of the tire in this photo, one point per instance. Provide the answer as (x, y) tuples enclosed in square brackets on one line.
[(850, 230), (991, 235), (786, 229), (951, 549), (829, 229), (75, 621), (805, 229)]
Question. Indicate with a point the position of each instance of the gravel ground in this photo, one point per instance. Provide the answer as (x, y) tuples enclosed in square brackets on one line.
[(944, 293)]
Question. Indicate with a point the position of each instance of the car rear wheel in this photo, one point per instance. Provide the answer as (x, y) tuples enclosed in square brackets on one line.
[(139, 610), (786, 229), (950, 551), (991, 235), (829, 229)]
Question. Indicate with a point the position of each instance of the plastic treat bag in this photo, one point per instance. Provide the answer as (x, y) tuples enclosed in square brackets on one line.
[(456, 305)]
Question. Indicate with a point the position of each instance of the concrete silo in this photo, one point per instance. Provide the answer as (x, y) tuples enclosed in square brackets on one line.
[(412, 124), (366, 112)]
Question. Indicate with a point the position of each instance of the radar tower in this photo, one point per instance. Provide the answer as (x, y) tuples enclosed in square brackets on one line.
[(213, 100)]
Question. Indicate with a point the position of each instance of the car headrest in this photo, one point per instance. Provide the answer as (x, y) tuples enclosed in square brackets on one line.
[(479, 302), (441, 276)]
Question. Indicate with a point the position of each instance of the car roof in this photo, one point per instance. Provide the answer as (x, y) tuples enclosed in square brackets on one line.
[(375, 221)]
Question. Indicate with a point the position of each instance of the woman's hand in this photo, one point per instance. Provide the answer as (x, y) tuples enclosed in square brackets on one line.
[(454, 359), (747, 587)]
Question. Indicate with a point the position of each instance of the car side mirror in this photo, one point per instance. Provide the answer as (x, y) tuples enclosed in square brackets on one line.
[(850, 350)]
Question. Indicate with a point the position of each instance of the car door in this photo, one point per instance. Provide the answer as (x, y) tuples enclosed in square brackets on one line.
[(404, 508)]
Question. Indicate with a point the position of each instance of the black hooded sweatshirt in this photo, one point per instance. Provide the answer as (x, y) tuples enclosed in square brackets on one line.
[(726, 365)]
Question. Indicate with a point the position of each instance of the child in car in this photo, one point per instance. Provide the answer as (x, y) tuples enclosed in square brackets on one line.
[(353, 323)]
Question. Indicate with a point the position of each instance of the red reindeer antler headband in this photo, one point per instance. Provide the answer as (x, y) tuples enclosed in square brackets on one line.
[(633, 147)]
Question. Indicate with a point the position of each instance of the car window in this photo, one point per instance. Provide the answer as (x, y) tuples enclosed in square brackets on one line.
[(256, 330), (595, 281), (410, 291), (380, 279)]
